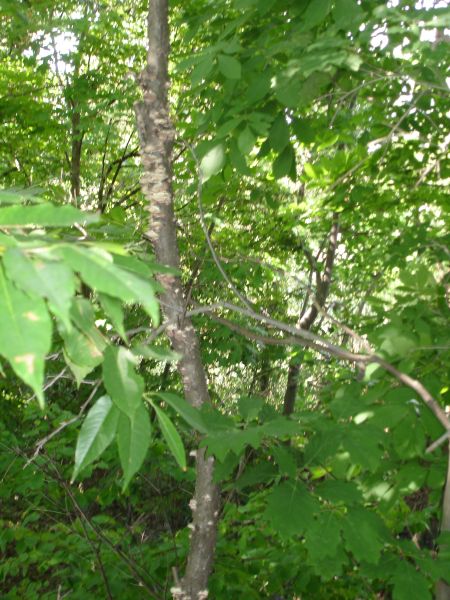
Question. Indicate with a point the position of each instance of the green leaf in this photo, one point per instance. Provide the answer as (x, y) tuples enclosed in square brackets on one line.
[(249, 407), (409, 583), (409, 438), (279, 134), (202, 70), (315, 13), (363, 534), (122, 383), (323, 536), (290, 508), (213, 162), (96, 434), (221, 441), (310, 171), (133, 264), (156, 353), (171, 436), (99, 272), (44, 215), (78, 371), (280, 427), (113, 309), (81, 349), (133, 440), (285, 461), (25, 334), (323, 445), (237, 159), (363, 442), (294, 92), (347, 14), (262, 472), (229, 66), (48, 279), (246, 141), (82, 314), (304, 131), (16, 196), (283, 164), (84, 344), (258, 88), (339, 492), (191, 415), (395, 341), (7, 241)]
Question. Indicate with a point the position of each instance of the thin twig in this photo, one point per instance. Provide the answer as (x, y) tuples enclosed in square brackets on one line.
[(41, 443), (222, 271)]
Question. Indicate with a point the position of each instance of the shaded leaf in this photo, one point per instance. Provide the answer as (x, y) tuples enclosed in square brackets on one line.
[(114, 311), (410, 583), (279, 134), (284, 163), (363, 533), (315, 13), (290, 508), (191, 415), (133, 440), (171, 436), (246, 141), (96, 434), (347, 14), (337, 491), (123, 384), (156, 353), (249, 407), (78, 371), (237, 159), (229, 66), (285, 460), (323, 536)]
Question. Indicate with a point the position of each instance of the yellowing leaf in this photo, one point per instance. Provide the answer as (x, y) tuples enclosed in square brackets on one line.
[(48, 279), (25, 334)]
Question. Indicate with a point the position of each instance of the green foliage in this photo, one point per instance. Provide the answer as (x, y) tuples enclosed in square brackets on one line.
[(96, 434), (299, 114), (171, 436), (25, 336), (133, 439)]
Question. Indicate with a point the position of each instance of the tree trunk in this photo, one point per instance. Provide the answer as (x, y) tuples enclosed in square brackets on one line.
[(156, 138), (442, 588), (307, 320), (75, 158), (291, 388)]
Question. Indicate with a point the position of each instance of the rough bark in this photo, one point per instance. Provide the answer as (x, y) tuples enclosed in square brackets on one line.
[(156, 139), (75, 158), (442, 588), (306, 321)]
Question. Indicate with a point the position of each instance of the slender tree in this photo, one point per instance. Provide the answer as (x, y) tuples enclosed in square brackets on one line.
[(156, 135)]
